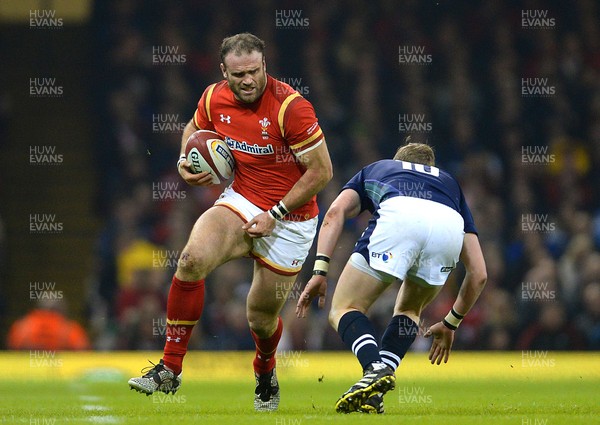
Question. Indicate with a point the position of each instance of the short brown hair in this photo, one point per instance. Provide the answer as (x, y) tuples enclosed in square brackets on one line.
[(241, 43), (419, 153)]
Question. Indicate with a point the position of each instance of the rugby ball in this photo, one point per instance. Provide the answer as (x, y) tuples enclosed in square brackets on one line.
[(206, 151)]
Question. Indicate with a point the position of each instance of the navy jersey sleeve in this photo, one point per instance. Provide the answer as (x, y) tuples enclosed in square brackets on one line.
[(357, 183), (465, 212)]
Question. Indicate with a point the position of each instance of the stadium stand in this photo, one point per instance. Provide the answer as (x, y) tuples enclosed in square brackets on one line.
[(538, 216)]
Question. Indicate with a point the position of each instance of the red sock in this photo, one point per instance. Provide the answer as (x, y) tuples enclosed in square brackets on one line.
[(184, 308), (264, 361)]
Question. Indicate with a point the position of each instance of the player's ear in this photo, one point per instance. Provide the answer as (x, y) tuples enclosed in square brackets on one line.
[(264, 64), (223, 71)]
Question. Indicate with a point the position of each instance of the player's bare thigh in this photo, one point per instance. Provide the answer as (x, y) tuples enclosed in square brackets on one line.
[(266, 298), (355, 290), (217, 237), (413, 298)]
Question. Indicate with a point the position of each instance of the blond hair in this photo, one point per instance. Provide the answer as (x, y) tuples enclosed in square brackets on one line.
[(419, 153)]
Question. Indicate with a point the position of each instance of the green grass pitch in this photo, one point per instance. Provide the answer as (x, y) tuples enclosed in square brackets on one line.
[(525, 388)]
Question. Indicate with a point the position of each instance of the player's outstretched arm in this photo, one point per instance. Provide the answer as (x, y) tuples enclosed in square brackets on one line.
[(184, 167), (473, 283), (346, 205), (475, 277)]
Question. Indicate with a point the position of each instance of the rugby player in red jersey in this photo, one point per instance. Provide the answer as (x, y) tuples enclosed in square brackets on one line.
[(269, 212)]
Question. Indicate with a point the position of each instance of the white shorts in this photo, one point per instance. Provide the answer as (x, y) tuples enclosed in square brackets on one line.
[(285, 250), (412, 237), (359, 262)]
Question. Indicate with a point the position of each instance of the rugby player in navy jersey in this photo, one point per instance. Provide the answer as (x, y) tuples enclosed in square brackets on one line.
[(421, 227)]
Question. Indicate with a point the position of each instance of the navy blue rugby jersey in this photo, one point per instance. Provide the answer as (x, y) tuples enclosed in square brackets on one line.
[(388, 178)]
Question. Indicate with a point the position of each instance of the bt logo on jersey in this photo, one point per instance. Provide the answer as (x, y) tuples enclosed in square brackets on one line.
[(385, 256)]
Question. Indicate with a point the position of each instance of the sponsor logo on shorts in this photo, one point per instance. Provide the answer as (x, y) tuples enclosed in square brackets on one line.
[(385, 256), (446, 269)]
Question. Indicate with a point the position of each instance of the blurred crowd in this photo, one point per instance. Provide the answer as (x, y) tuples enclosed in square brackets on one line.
[(527, 159)]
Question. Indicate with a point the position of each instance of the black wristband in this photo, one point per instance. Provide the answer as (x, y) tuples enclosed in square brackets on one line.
[(449, 326), (282, 208), (319, 272), (455, 314), (322, 257), (274, 215), (278, 211)]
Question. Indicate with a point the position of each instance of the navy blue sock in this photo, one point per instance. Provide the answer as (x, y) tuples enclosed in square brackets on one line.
[(397, 339), (358, 334)]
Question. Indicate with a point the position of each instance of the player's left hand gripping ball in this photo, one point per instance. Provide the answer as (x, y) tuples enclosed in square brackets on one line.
[(207, 152)]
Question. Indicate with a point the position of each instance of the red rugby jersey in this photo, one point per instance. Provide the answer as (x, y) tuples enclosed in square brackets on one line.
[(264, 138)]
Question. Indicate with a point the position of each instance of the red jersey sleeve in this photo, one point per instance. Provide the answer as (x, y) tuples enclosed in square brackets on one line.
[(300, 127), (202, 116)]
